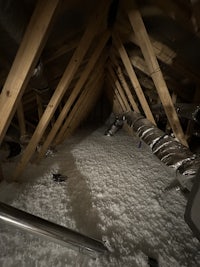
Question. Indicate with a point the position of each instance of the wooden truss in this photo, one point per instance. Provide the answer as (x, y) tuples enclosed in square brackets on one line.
[(88, 71)]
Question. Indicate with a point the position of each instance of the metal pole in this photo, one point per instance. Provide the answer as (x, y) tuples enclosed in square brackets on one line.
[(50, 230)]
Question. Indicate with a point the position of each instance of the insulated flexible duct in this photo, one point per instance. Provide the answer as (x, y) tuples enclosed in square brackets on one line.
[(165, 147)]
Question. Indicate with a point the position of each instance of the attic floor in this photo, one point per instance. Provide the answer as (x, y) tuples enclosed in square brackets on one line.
[(114, 192)]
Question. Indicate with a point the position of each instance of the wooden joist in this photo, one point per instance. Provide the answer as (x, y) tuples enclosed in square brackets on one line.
[(156, 74), (124, 84), (77, 89), (62, 87), (133, 78), (25, 61)]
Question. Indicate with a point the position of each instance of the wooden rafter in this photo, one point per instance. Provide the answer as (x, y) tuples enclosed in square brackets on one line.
[(85, 107), (61, 89), (118, 86), (90, 84), (83, 78), (156, 74), (26, 59), (133, 78), (124, 83)]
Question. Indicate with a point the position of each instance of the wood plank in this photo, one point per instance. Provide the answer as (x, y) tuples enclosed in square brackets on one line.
[(118, 86), (156, 74), (91, 81), (133, 78), (77, 89), (124, 83), (21, 119), (27, 57), (80, 52)]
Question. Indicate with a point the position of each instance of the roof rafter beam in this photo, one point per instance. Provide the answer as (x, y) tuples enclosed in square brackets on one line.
[(154, 68), (124, 83), (89, 34), (25, 61), (92, 80), (119, 88), (133, 78), (75, 92)]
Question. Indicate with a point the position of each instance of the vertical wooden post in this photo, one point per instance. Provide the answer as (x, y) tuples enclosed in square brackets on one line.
[(26, 59), (154, 68)]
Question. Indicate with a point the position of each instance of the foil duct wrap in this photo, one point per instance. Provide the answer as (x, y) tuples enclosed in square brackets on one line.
[(166, 148)]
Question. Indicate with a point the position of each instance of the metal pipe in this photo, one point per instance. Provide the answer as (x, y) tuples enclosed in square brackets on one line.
[(50, 230)]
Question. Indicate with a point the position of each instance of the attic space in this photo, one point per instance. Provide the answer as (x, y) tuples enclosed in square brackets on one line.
[(100, 133)]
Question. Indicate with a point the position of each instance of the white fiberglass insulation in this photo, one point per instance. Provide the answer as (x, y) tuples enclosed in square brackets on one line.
[(114, 192)]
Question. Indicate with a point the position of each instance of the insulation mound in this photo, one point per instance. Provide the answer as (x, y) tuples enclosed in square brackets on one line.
[(114, 192)]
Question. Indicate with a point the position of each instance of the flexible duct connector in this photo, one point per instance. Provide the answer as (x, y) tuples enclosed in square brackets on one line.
[(165, 147)]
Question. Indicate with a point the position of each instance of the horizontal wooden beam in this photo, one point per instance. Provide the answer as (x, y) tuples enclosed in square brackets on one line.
[(26, 59)]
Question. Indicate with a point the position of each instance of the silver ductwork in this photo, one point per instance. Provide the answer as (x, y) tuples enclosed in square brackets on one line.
[(50, 230), (166, 148)]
